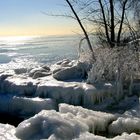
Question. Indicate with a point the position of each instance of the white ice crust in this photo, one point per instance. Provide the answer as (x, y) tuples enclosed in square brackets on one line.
[(48, 90)]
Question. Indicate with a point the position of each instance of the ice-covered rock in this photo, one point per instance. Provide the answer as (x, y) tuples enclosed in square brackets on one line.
[(48, 124), (39, 72), (70, 92), (134, 111), (70, 123), (68, 74), (96, 121), (94, 95), (89, 136), (69, 71), (24, 107), (128, 122), (6, 74), (125, 124), (136, 87), (7, 132), (61, 64), (20, 70), (75, 93), (126, 136), (19, 85)]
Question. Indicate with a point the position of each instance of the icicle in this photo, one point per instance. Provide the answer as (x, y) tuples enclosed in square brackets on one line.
[(131, 84)]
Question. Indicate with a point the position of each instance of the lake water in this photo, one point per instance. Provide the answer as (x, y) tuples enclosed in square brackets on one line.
[(16, 52)]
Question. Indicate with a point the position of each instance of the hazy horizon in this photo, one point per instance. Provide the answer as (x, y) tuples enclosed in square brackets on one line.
[(25, 18)]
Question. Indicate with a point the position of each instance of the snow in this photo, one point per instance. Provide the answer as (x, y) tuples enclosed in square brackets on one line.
[(7, 132)]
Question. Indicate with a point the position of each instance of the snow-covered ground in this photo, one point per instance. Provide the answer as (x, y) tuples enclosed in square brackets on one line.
[(55, 103)]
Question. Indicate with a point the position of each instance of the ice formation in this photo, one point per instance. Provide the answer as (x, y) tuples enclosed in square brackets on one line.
[(125, 124), (128, 122), (75, 93), (26, 96), (69, 123), (96, 121), (124, 136), (40, 72), (20, 85), (50, 123), (7, 132), (24, 107), (66, 70)]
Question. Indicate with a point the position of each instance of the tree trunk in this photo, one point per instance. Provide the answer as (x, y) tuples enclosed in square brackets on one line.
[(104, 20), (82, 27), (121, 24), (112, 28)]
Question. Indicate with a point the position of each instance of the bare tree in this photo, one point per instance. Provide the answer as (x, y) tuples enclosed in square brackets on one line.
[(82, 27), (109, 17), (122, 20)]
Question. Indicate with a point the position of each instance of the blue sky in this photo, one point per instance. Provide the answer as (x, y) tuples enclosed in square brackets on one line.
[(24, 17)]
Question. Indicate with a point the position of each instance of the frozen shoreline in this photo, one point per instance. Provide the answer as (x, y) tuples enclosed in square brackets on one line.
[(27, 94)]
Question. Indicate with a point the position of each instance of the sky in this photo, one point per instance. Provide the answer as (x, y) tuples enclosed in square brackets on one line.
[(25, 17)]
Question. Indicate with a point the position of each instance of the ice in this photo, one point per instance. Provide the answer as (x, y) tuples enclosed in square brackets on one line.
[(7, 132), (128, 122), (72, 92), (19, 63), (62, 63), (125, 124), (61, 91), (26, 96), (20, 85), (134, 111), (126, 136), (24, 107), (94, 95), (75, 93), (96, 121), (67, 70), (69, 123), (21, 70), (89, 136), (40, 72), (50, 124)]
